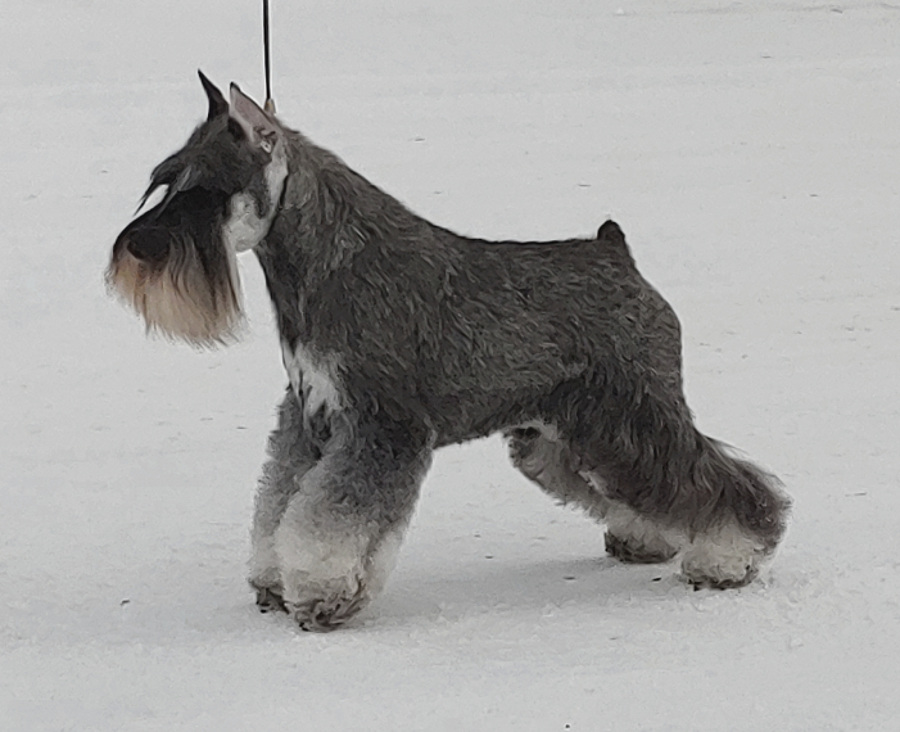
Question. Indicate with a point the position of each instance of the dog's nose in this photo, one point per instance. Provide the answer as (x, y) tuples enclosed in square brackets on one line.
[(146, 247)]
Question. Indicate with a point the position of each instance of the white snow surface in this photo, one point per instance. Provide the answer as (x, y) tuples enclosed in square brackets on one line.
[(751, 153)]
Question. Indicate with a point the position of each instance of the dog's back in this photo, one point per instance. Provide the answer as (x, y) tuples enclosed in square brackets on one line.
[(470, 335)]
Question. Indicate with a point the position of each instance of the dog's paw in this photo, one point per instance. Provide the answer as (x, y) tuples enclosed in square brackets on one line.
[(324, 615), (269, 599), (630, 551), (723, 559), (702, 582)]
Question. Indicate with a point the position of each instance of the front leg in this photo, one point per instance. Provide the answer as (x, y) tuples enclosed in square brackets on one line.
[(338, 538), (294, 448)]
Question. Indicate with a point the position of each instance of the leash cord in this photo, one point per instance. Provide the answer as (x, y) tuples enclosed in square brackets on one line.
[(270, 104)]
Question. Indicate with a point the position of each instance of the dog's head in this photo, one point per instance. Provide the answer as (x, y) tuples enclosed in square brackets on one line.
[(175, 263)]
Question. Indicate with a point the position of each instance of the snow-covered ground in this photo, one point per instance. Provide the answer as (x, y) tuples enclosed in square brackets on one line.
[(751, 152)]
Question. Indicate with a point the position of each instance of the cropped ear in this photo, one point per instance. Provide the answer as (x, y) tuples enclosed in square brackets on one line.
[(217, 103), (261, 128)]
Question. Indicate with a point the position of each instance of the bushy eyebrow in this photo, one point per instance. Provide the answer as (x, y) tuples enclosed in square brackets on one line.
[(181, 172), (167, 174)]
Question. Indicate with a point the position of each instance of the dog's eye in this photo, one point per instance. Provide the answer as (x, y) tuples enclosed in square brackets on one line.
[(267, 143)]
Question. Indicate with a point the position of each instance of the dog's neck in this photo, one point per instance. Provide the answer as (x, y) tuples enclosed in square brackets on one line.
[(332, 230)]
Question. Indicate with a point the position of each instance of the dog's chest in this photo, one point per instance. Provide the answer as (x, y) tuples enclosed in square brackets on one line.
[(313, 381)]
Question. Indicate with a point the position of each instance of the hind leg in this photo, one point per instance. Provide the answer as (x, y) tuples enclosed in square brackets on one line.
[(547, 460), (746, 518), (727, 513)]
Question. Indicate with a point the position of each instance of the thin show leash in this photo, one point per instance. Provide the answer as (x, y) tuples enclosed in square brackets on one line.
[(269, 106)]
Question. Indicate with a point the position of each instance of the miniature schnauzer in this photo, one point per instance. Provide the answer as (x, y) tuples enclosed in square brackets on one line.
[(399, 337)]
